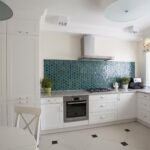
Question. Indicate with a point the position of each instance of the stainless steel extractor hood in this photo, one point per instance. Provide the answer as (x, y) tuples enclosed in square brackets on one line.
[(96, 58), (88, 52)]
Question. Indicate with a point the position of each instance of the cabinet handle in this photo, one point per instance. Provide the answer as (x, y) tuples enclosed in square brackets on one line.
[(102, 117), (102, 105), (19, 32)]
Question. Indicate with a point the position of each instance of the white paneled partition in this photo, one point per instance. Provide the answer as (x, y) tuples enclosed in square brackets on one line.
[(19, 70), (3, 112)]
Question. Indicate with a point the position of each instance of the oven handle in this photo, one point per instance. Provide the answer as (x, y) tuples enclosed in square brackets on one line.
[(70, 103)]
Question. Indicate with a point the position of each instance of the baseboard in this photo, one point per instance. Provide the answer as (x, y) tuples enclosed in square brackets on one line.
[(69, 129), (144, 123)]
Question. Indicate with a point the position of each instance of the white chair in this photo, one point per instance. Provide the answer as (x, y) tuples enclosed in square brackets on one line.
[(31, 111)]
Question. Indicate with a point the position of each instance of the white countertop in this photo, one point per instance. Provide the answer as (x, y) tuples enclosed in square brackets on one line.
[(83, 92)]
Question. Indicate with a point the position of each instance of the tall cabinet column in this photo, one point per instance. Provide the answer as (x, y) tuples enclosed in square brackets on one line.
[(23, 84), (3, 112)]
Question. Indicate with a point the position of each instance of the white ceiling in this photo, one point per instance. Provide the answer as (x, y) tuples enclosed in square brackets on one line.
[(82, 14)]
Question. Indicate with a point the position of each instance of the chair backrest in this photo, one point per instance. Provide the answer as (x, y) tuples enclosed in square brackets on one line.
[(35, 113)]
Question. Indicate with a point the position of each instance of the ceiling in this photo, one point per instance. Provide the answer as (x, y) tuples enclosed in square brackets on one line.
[(83, 15)]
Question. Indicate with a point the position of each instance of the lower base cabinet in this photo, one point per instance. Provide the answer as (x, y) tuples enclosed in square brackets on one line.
[(144, 107), (126, 106), (101, 117), (102, 108), (52, 113)]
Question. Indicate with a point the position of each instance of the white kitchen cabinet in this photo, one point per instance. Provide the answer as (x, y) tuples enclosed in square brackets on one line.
[(3, 27), (22, 67), (127, 106), (102, 108), (143, 106), (52, 113), (2, 67), (24, 27), (3, 116)]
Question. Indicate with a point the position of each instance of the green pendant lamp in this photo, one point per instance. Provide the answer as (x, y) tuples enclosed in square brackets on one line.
[(5, 11)]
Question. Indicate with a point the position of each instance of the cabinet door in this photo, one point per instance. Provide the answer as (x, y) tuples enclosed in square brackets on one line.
[(22, 67), (2, 67), (144, 107), (3, 116), (127, 106), (51, 116), (25, 27)]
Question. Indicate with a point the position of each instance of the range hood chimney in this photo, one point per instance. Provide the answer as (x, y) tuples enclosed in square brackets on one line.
[(88, 52)]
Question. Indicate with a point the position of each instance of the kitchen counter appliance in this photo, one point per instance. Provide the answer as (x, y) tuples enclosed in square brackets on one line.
[(93, 90)]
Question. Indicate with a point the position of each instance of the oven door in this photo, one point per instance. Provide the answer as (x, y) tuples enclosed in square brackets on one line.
[(76, 110)]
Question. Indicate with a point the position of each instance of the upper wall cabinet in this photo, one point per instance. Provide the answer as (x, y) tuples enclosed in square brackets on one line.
[(24, 27), (22, 67)]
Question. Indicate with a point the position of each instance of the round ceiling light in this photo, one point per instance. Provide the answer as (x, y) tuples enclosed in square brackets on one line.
[(127, 10), (5, 11)]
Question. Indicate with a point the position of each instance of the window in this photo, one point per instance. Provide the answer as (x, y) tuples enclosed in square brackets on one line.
[(148, 69)]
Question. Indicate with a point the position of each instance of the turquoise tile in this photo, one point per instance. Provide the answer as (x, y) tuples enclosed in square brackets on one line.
[(74, 75)]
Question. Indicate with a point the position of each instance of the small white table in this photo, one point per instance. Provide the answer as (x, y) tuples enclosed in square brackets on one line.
[(16, 139)]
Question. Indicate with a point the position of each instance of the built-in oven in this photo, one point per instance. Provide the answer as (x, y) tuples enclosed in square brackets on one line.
[(76, 108)]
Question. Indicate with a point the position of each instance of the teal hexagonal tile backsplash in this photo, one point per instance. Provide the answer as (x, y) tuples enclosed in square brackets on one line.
[(75, 75)]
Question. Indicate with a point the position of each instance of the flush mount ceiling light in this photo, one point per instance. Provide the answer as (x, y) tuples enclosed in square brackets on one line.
[(127, 10), (5, 11), (132, 29)]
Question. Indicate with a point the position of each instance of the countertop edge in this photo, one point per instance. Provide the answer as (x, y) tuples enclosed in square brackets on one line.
[(80, 92)]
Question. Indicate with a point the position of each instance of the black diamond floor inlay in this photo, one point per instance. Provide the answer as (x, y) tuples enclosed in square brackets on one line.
[(54, 142), (94, 136), (124, 143), (127, 130)]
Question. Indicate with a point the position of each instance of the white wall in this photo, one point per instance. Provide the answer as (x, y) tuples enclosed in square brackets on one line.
[(55, 45), (122, 50)]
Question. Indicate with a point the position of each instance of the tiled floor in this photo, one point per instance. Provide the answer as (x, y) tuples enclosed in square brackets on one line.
[(103, 138)]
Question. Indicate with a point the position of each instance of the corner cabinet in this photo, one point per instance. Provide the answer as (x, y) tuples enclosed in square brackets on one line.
[(144, 107), (52, 113), (127, 106)]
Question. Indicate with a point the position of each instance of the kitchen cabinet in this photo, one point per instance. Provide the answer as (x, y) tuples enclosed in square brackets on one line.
[(2, 67), (126, 106), (24, 27), (3, 116), (22, 67), (52, 113), (102, 108), (143, 107), (23, 83)]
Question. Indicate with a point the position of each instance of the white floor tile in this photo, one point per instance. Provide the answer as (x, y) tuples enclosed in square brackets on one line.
[(109, 138)]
